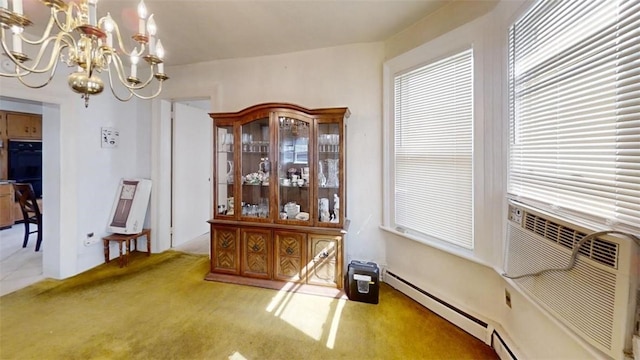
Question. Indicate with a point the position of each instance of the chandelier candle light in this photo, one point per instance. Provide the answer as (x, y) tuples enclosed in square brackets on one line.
[(75, 36)]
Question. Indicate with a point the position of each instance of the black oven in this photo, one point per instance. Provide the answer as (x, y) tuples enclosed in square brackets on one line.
[(25, 163)]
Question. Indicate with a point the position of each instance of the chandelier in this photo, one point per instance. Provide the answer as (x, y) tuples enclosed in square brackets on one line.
[(76, 37)]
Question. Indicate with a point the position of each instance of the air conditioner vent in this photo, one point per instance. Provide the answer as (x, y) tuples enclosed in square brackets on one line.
[(599, 250)]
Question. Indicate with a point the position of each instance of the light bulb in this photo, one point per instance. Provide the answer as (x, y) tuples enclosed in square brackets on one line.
[(160, 53), (108, 27), (108, 23), (160, 49), (142, 13), (142, 10), (151, 26)]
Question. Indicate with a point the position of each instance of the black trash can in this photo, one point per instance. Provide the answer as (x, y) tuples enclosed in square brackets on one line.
[(362, 281)]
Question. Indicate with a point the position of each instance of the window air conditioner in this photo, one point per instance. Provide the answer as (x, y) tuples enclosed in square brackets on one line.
[(596, 299)]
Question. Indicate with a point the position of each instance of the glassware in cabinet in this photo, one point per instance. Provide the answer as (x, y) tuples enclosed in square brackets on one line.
[(225, 171), (294, 196), (329, 174), (255, 169)]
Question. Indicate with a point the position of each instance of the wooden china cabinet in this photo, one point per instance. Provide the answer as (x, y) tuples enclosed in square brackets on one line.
[(279, 196)]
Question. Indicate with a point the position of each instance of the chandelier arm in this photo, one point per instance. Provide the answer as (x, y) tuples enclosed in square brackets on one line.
[(62, 41), (51, 75), (141, 85), (45, 35), (120, 72), (113, 90), (132, 89), (119, 69), (118, 38), (53, 19), (69, 22), (150, 96)]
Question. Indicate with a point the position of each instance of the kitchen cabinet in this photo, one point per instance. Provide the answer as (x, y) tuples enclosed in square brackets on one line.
[(19, 126), (6, 205), (279, 196), (24, 126)]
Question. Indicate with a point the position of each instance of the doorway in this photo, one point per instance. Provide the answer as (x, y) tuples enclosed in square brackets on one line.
[(24, 266), (191, 173)]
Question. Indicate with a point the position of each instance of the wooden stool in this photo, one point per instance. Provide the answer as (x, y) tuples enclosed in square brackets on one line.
[(125, 240)]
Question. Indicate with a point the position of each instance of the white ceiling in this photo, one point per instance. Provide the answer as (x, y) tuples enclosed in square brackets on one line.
[(198, 31)]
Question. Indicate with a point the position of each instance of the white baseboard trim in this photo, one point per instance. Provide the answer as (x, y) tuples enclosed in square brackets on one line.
[(475, 327), (502, 346)]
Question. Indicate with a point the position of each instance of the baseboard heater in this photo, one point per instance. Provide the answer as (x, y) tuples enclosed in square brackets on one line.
[(465, 321)]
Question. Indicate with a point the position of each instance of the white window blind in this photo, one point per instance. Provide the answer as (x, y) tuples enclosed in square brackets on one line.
[(433, 150), (574, 72)]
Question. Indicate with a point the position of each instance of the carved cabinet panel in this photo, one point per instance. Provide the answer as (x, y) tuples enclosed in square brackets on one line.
[(256, 252), (225, 249), (290, 250), (325, 260)]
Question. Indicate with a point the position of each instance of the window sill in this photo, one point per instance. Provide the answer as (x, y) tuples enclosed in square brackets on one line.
[(440, 245)]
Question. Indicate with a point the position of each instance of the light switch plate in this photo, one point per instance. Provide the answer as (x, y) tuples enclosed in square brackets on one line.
[(110, 137)]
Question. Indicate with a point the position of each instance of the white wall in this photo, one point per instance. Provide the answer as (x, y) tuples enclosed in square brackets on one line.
[(331, 77), (471, 281), (80, 177), (100, 169)]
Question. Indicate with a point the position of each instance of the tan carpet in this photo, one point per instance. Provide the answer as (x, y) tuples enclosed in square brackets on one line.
[(161, 308)]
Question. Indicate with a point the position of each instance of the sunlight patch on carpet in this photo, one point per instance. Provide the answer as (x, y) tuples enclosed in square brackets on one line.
[(237, 356), (335, 324), (308, 314)]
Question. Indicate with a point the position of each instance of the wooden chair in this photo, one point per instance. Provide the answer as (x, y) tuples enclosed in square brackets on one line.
[(30, 212)]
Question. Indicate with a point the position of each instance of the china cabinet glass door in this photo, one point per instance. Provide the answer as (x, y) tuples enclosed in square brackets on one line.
[(225, 171), (329, 175), (255, 169), (293, 196)]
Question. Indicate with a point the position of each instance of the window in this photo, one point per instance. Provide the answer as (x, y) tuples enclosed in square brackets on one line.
[(433, 148), (575, 110)]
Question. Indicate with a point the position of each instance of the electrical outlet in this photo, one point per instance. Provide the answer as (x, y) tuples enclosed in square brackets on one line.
[(90, 239), (515, 214), (507, 298)]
